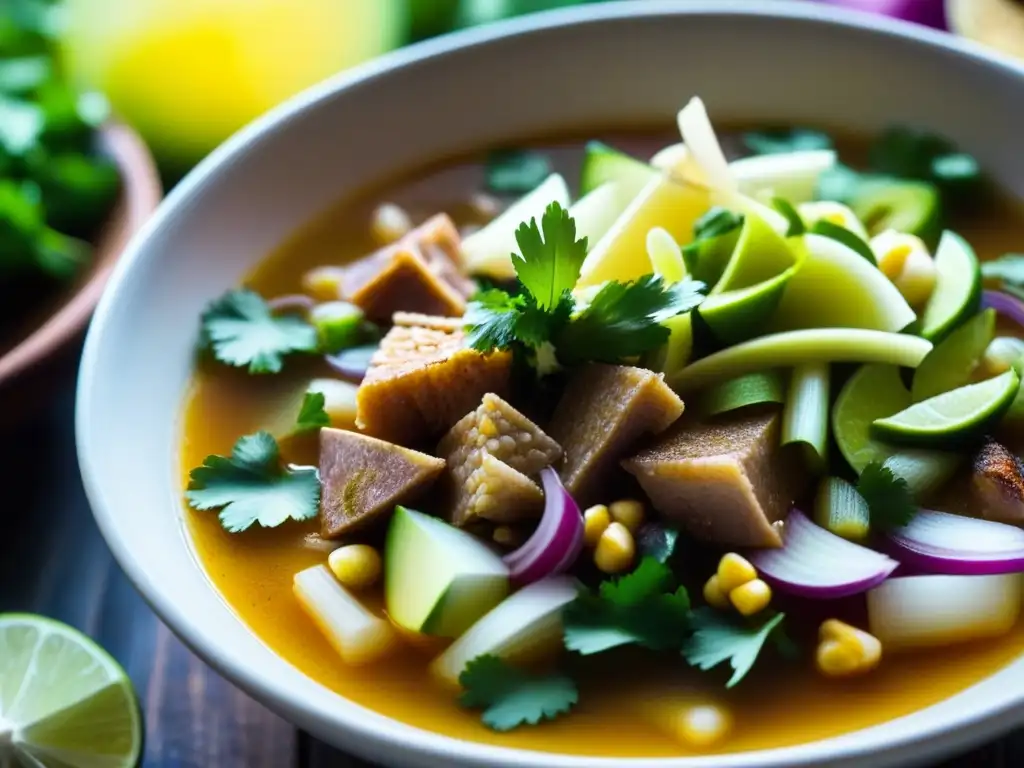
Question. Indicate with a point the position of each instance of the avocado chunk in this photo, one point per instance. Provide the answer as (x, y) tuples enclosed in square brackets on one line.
[(494, 453), (423, 379), (726, 482), (604, 411), (997, 485), (363, 478), (439, 580)]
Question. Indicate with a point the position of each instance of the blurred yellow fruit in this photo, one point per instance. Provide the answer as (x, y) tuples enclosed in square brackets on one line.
[(188, 73)]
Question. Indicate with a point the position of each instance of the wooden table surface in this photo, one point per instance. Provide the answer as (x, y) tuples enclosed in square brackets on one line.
[(54, 562)]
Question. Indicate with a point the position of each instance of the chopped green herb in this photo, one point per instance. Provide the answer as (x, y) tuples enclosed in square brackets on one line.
[(548, 266), (516, 171), (20, 76), (251, 486), (786, 140), (642, 608), (624, 320), (656, 541), (890, 500), (510, 697), (848, 238), (491, 319), (718, 637), (243, 332), (910, 154), (312, 414), (796, 224)]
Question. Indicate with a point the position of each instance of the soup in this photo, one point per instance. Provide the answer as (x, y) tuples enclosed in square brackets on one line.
[(584, 441)]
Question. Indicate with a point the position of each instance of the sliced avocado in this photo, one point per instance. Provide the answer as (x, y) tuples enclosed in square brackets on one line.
[(913, 207), (439, 580)]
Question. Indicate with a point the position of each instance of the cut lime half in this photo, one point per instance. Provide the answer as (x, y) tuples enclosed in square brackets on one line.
[(953, 360), (957, 293), (951, 417), (64, 702)]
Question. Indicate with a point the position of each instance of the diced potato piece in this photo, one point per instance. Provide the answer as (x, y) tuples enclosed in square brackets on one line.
[(422, 380), (605, 409), (492, 452), (726, 482), (418, 273), (363, 477)]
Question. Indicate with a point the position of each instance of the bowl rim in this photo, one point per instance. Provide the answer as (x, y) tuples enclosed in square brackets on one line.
[(382, 733), (140, 194)]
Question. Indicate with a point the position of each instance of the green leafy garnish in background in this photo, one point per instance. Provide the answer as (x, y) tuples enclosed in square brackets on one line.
[(719, 637), (890, 500), (644, 608), (312, 414), (242, 331), (510, 697), (784, 140), (516, 171), (252, 486), (540, 321)]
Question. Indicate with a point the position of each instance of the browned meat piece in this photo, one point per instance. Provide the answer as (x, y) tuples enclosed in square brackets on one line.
[(492, 454), (363, 477), (419, 273), (726, 482), (422, 380), (604, 411), (997, 488)]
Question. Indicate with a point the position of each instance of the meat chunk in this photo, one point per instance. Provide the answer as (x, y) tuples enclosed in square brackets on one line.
[(997, 487), (493, 453), (604, 411), (419, 273), (363, 477), (725, 482), (424, 379)]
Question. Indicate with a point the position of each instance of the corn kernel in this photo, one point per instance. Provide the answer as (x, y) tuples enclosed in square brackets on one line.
[(734, 571), (905, 260), (509, 537), (844, 650), (323, 283), (628, 512), (703, 725), (595, 521), (488, 427), (1001, 355), (356, 566), (714, 596), (752, 597), (390, 223), (615, 549)]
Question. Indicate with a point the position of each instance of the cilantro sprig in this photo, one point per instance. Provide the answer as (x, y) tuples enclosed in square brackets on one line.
[(642, 608), (890, 500), (622, 320), (242, 331), (516, 171), (253, 486), (312, 414), (510, 697), (718, 638)]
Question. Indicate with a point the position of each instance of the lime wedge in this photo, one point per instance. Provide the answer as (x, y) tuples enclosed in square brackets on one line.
[(951, 417), (735, 316), (957, 293), (761, 254), (954, 359), (64, 702), (906, 206)]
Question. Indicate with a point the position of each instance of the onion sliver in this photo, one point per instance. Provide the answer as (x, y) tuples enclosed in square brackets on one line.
[(939, 542), (820, 565), (1005, 305), (558, 539), (352, 363), (522, 626), (929, 611)]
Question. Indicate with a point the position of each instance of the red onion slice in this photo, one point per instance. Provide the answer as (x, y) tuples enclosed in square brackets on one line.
[(557, 541), (1005, 305), (939, 542), (928, 12), (817, 564)]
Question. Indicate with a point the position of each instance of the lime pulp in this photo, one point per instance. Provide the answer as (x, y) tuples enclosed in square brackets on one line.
[(64, 702)]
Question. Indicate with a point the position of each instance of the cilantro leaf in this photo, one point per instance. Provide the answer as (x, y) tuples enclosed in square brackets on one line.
[(624, 320), (640, 608), (242, 331), (536, 327), (718, 637), (251, 486), (890, 501), (510, 697), (491, 320), (516, 171), (796, 224), (549, 266), (312, 414), (784, 140)]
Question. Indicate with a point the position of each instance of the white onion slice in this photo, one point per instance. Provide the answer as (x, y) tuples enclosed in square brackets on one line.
[(702, 143)]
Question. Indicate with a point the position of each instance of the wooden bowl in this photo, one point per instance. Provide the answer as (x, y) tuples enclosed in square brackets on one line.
[(51, 333)]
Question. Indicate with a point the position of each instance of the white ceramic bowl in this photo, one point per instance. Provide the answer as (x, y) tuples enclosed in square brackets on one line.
[(592, 66)]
